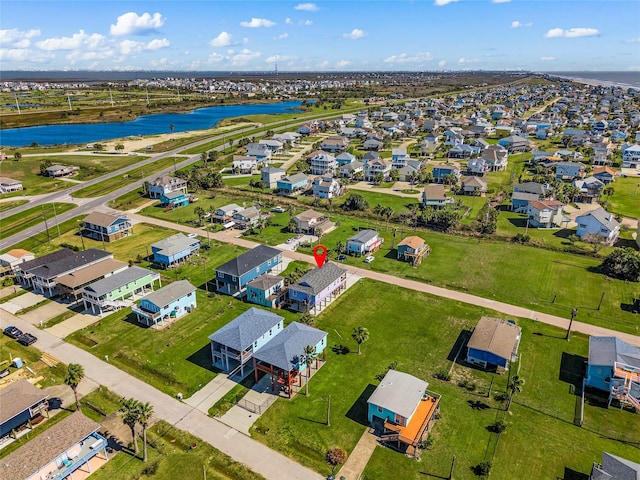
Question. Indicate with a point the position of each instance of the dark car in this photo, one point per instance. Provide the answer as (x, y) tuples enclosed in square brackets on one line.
[(12, 332), (4, 372), (206, 247), (341, 258), (27, 339)]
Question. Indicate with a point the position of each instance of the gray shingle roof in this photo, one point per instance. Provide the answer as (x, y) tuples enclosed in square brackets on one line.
[(49, 258), (246, 328), (616, 468), (399, 392), (495, 336), (72, 262), (17, 397), (284, 350), (601, 215), (318, 279), (167, 294), (264, 282), (174, 244), (248, 260), (109, 284), (102, 219), (295, 178), (607, 350), (363, 236)]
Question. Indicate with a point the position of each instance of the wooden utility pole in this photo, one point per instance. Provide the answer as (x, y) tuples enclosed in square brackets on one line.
[(44, 217), (574, 312), (329, 411), (453, 464)]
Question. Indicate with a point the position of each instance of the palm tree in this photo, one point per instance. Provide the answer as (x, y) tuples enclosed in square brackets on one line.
[(130, 409), (75, 374), (608, 191), (145, 411), (171, 127), (308, 356), (516, 387), (339, 247), (360, 335), (119, 147)]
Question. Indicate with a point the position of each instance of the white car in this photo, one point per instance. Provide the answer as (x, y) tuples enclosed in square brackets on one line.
[(278, 209), (369, 259), (192, 235)]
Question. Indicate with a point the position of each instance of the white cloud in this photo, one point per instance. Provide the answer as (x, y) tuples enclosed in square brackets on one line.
[(288, 21), (572, 32), (282, 36), (465, 61), (257, 23), (548, 59), (354, 34), (500, 1), (441, 3), (281, 59), (634, 40), (76, 41), (634, 68), (323, 65), (222, 40), (24, 55), (215, 58), (307, 7), (343, 64), (517, 24), (157, 44), (131, 23), (442, 63), (17, 38), (243, 57), (403, 58), (305, 23)]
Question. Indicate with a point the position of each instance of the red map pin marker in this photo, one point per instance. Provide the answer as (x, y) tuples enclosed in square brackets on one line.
[(320, 254)]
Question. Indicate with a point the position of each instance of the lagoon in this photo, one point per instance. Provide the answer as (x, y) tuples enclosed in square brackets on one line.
[(199, 119)]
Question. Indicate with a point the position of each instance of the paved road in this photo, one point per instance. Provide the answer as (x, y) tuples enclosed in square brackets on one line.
[(506, 308), (256, 456)]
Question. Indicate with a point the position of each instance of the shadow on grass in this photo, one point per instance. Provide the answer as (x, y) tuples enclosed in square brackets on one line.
[(518, 222), (631, 307), (358, 411), (572, 370), (458, 346), (340, 349), (392, 254), (202, 358), (478, 405), (570, 474)]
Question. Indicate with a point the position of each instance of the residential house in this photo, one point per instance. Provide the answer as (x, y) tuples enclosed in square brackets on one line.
[(539, 189), (363, 243), (233, 276), (266, 290), (631, 157), (598, 222), (175, 199), (399, 157), (282, 357), (113, 292), (70, 286), (412, 249), (72, 448), (317, 288), (494, 342), (453, 137), (309, 221), (272, 144), (293, 184), (291, 137), (233, 345), (442, 170), (8, 185), (21, 403), (326, 187), (463, 151), (589, 189), (323, 163), (615, 468), (605, 174), (11, 261), (345, 158), (174, 250), (372, 144), (410, 172), (547, 214), (271, 175), (225, 213), (106, 227), (261, 152), (167, 304), (496, 158), (370, 156), (351, 169), (613, 366), (515, 143), (244, 164), (434, 196), (166, 184), (57, 171), (247, 217), (569, 171), (374, 167), (23, 269), (474, 186), (334, 144), (402, 410), (477, 166), (44, 278)]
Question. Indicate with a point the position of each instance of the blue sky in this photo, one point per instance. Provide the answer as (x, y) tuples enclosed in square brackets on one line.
[(540, 35)]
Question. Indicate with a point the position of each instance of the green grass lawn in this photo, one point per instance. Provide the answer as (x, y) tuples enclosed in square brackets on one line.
[(27, 170), (33, 216), (240, 181), (4, 206), (626, 198), (111, 184), (131, 200), (421, 344), (10, 348), (41, 244)]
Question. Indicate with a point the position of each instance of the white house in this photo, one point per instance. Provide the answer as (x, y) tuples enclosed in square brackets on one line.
[(9, 185), (631, 157), (599, 222), (326, 187)]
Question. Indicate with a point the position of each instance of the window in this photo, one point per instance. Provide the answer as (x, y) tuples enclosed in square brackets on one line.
[(220, 274), (379, 409), (257, 269)]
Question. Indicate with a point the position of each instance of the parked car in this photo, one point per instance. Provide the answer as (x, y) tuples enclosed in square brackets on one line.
[(341, 258), (206, 247), (369, 259), (290, 240), (278, 209), (4, 372), (192, 235), (12, 332), (27, 339)]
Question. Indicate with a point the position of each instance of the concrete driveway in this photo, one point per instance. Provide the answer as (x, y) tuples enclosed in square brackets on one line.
[(44, 313), (25, 300)]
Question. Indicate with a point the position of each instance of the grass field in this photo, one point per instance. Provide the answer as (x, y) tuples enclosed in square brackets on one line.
[(20, 221), (4, 206), (27, 170), (111, 184), (131, 200), (422, 344), (626, 198)]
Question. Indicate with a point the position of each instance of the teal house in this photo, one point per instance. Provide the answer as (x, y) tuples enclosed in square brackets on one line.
[(175, 199), (117, 291), (167, 304), (266, 290)]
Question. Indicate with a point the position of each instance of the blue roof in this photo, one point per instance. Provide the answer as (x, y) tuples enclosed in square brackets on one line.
[(246, 328), (284, 350)]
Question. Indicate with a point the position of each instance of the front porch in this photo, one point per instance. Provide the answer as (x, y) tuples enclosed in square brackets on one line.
[(287, 383)]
